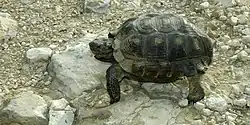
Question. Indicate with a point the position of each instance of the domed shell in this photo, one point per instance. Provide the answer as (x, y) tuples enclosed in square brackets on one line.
[(154, 42)]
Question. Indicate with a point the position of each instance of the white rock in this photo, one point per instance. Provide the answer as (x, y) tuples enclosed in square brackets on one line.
[(225, 47), (59, 104), (76, 70), (216, 103), (243, 56), (242, 19), (26, 108), (199, 106), (230, 117), (38, 54), (183, 103), (223, 18), (246, 31), (248, 101), (197, 122), (231, 123), (204, 5), (246, 39), (227, 3), (233, 21), (61, 117), (207, 112), (240, 102)]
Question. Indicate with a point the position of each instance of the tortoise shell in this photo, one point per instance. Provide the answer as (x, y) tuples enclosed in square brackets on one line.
[(160, 45)]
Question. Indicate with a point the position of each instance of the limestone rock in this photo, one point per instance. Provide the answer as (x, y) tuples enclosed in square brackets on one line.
[(75, 70), (38, 54), (25, 108), (216, 103)]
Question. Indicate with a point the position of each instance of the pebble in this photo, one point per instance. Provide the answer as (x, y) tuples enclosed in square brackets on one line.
[(197, 122), (223, 18), (246, 31), (199, 106), (240, 102), (204, 5), (38, 54), (243, 56), (183, 103), (225, 47), (246, 39), (207, 112), (216, 103), (242, 19), (233, 21)]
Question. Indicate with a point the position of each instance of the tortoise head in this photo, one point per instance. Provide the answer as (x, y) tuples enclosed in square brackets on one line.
[(102, 49)]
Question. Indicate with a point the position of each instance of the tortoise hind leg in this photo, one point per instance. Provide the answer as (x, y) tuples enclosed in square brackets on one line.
[(196, 92), (114, 76)]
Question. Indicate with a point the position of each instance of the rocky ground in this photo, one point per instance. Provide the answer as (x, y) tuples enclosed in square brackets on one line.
[(49, 76)]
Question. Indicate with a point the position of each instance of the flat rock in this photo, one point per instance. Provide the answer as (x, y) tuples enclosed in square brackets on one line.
[(61, 113), (75, 70), (61, 117), (25, 108), (38, 54), (216, 103)]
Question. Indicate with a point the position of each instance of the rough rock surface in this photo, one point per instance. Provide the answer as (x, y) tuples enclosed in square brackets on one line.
[(76, 70), (25, 108), (54, 24), (61, 113)]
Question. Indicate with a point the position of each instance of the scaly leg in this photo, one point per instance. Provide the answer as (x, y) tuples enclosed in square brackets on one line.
[(196, 92), (114, 76)]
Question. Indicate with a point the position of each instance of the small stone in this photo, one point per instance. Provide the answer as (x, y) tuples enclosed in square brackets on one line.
[(231, 123), (246, 31), (47, 83), (197, 122), (243, 56), (223, 18), (59, 104), (204, 5), (225, 47), (242, 19), (5, 45), (247, 90), (199, 106), (207, 112), (216, 103), (61, 117), (183, 103), (233, 21), (52, 46), (38, 54), (227, 3), (240, 102), (230, 118)]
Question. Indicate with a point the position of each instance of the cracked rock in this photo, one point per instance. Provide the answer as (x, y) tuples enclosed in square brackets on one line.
[(25, 108), (75, 70), (38, 54), (216, 103), (61, 113)]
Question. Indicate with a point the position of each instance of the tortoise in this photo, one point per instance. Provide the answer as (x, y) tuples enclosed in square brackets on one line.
[(158, 48)]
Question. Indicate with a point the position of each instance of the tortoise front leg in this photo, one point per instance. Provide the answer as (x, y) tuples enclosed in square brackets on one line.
[(196, 92), (114, 76)]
